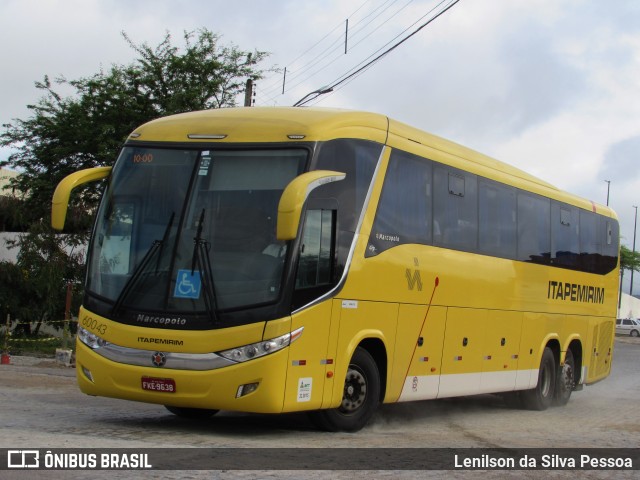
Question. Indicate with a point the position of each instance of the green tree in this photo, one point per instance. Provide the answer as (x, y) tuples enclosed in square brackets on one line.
[(13, 292), (629, 260), (87, 128), (47, 262), (9, 214)]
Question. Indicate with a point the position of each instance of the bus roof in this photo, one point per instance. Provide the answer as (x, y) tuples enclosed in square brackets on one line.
[(293, 124), (270, 124)]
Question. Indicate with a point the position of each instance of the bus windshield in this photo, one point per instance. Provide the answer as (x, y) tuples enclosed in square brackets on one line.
[(191, 230)]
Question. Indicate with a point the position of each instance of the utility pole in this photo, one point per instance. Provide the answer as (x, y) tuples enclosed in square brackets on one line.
[(635, 224), (248, 93), (346, 35), (284, 79), (608, 186)]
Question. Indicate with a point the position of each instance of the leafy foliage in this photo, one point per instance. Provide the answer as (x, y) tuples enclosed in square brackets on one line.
[(86, 129), (629, 260), (34, 289)]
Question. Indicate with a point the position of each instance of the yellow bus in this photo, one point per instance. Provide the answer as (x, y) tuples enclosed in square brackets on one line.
[(298, 259)]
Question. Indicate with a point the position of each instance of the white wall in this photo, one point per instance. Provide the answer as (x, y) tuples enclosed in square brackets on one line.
[(629, 307), (11, 254), (6, 253)]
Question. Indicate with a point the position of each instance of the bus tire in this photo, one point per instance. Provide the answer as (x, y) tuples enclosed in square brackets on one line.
[(541, 397), (565, 380), (192, 413), (361, 397)]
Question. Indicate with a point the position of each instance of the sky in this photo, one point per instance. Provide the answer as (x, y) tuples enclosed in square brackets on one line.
[(552, 87)]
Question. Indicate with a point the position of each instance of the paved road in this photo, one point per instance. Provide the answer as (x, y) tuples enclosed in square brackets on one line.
[(42, 407)]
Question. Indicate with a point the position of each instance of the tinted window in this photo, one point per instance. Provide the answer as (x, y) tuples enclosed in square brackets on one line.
[(598, 243), (610, 230), (533, 228), (424, 202), (404, 211), (358, 159), (497, 215), (316, 251), (590, 246), (455, 217), (565, 235)]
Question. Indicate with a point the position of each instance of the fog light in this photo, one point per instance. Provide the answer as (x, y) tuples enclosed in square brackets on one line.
[(246, 389), (87, 373)]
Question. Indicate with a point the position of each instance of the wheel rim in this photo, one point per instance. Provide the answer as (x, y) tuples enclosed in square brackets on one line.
[(567, 376), (355, 390)]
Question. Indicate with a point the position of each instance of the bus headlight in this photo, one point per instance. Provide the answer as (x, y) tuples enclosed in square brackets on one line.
[(260, 349), (91, 340)]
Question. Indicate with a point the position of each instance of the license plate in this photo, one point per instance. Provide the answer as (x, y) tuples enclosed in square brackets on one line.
[(163, 385)]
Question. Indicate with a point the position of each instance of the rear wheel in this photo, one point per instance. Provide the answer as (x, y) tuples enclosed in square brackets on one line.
[(360, 398), (540, 397), (192, 413), (565, 380)]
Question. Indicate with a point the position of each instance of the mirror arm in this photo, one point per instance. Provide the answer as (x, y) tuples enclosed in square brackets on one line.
[(60, 202), (294, 196)]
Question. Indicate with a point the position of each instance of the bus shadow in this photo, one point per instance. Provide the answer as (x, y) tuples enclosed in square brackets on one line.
[(430, 410), (263, 426)]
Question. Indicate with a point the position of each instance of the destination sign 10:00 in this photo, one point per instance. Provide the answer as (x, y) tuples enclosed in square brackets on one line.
[(143, 158)]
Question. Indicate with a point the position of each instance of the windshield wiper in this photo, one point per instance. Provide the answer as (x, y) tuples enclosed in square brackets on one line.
[(202, 260), (155, 247)]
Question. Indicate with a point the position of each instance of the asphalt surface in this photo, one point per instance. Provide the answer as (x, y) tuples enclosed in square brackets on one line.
[(42, 408)]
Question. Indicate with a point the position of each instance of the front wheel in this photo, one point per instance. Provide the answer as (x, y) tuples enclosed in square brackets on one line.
[(634, 333), (540, 397), (360, 398)]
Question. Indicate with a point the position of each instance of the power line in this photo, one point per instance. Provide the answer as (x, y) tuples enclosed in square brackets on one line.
[(381, 25), (334, 51), (275, 86), (353, 73), (348, 76), (366, 67)]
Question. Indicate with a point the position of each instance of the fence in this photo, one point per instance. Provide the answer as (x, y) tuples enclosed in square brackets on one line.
[(49, 332)]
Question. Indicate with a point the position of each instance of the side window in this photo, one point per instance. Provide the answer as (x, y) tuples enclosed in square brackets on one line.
[(534, 236), (404, 210), (565, 235), (358, 159), (315, 267), (590, 244), (497, 219), (455, 221), (116, 241), (609, 230)]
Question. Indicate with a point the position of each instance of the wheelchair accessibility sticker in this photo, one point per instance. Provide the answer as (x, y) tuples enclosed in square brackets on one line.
[(188, 285)]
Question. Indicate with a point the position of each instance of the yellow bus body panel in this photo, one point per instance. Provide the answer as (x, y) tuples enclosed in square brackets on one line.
[(265, 124), (185, 341), (213, 389)]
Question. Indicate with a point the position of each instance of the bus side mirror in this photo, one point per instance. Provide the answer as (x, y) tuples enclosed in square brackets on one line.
[(60, 201), (294, 196)]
